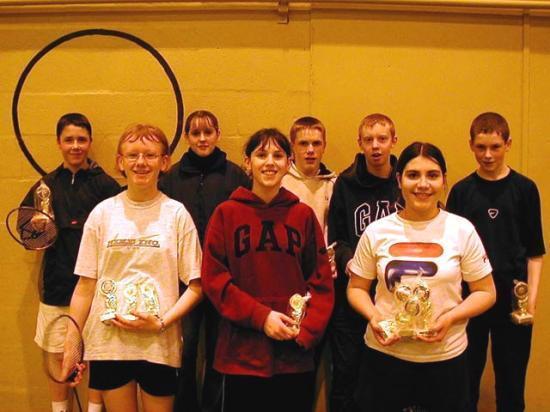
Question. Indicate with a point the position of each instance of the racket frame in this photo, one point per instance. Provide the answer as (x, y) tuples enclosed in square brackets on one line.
[(46, 354), (33, 212)]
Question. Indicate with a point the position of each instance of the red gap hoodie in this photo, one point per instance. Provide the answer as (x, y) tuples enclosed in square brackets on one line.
[(256, 256)]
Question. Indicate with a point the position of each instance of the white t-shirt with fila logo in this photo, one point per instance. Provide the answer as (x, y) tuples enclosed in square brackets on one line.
[(441, 252), (137, 251)]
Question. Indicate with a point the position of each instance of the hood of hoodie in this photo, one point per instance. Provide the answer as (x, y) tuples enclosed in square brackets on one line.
[(192, 164), (283, 199), (358, 174), (324, 173)]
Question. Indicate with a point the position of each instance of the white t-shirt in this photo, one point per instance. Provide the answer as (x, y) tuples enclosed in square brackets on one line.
[(149, 244), (446, 250)]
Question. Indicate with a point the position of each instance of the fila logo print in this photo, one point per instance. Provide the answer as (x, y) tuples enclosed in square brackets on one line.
[(493, 213)]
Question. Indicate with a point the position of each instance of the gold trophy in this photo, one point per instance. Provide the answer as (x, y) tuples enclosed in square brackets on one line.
[(138, 295), (297, 308), (331, 254), (520, 316), (149, 299), (42, 202), (42, 199), (414, 311), (108, 290), (131, 301)]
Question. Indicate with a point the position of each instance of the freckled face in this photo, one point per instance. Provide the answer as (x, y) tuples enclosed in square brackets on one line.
[(376, 142), (141, 161)]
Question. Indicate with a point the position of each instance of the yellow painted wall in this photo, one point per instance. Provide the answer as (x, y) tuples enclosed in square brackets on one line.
[(431, 72)]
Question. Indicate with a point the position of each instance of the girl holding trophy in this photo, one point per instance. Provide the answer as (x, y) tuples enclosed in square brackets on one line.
[(135, 248), (266, 270), (416, 335)]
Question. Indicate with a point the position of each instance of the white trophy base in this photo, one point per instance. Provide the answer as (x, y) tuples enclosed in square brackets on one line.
[(106, 317)]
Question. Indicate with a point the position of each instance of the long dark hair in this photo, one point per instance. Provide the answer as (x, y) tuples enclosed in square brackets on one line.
[(424, 149), (415, 150)]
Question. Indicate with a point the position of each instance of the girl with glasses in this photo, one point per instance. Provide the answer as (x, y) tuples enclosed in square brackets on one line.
[(136, 247)]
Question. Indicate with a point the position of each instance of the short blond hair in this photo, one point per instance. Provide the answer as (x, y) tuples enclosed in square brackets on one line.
[(307, 122)]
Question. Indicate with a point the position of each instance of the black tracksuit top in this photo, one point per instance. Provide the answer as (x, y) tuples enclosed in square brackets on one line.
[(73, 198)]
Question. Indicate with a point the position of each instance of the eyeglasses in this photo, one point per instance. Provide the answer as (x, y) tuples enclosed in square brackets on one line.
[(147, 157)]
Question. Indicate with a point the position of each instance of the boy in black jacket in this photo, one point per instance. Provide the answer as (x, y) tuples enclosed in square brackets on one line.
[(364, 192), (201, 180), (76, 187), (504, 207)]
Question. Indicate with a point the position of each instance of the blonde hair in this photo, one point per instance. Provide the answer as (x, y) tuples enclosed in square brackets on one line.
[(307, 122)]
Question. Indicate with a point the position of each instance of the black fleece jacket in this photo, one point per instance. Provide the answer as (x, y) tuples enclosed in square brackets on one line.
[(202, 183), (359, 198)]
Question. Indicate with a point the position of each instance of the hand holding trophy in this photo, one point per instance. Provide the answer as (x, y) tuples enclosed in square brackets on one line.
[(414, 311), (34, 227), (520, 316), (297, 308), (137, 294)]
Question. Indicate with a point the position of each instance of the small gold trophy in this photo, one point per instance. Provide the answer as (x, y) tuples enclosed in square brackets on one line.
[(130, 300), (108, 290), (42, 199), (297, 308), (414, 311), (42, 202), (520, 316), (331, 254), (149, 299)]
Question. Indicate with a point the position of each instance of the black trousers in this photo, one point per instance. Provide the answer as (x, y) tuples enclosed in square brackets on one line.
[(345, 335), (186, 397), (388, 384), (280, 393), (510, 349), (317, 359)]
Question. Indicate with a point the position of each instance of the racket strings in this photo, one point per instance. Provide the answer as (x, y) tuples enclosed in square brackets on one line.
[(64, 349), (73, 354), (32, 228)]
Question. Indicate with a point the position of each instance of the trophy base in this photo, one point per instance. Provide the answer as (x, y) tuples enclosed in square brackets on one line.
[(106, 318), (413, 333), (388, 326), (391, 327), (521, 318), (425, 332), (406, 333)]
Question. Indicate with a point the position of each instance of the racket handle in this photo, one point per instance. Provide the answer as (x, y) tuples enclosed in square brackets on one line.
[(72, 376)]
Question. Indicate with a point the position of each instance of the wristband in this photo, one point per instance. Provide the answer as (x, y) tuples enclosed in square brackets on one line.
[(162, 324)]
